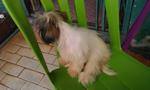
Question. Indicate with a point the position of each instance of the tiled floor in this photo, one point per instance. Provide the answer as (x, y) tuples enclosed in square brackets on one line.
[(20, 69)]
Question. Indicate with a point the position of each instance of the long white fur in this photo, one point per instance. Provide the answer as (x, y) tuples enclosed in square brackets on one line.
[(83, 52)]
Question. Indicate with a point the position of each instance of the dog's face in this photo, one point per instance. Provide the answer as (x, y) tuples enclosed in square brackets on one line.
[(48, 25)]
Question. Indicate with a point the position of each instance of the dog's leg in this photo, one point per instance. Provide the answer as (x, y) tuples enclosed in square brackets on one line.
[(89, 74), (76, 67), (91, 70), (64, 62)]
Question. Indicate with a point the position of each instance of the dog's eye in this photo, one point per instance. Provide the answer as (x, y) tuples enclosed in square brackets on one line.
[(45, 38)]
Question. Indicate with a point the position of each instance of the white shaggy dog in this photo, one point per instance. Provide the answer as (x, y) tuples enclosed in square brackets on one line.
[(81, 50)]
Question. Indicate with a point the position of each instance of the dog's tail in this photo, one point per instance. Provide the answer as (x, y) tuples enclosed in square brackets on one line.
[(107, 70)]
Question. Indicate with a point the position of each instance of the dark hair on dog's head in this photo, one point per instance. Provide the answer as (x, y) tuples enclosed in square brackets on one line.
[(48, 25)]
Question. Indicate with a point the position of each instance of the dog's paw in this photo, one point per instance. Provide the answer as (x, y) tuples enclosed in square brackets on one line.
[(85, 79), (63, 62), (72, 72)]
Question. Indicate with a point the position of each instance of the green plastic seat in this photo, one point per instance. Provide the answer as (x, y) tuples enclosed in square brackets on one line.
[(131, 74)]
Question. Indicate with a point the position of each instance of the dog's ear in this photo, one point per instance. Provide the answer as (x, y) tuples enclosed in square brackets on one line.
[(39, 22), (50, 31), (51, 20), (62, 14)]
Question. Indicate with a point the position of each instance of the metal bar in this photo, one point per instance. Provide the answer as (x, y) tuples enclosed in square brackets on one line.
[(126, 19), (97, 13), (103, 16)]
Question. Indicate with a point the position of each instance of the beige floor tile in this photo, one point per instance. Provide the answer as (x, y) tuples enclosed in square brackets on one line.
[(13, 82), (56, 63), (45, 48), (49, 66), (45, 82), (10, 57), (3, 87), (31, 86), (31, 76), (29, 63), (48, 58), (26, 52), (53, 51), (52, 67), (12, 69), (19, 40), (22, 44), (12, 48), (2, 75), (2, 62)]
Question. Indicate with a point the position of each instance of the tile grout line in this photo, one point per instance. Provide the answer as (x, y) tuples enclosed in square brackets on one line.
[(4, 76), (18, 49), (4, 63), (20, 73), (23, 67), (6, 86), (23, 84), (27, 81), (18, 60), (26, 67)]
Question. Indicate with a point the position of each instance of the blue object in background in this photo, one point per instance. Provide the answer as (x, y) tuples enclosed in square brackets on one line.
[(2, 8)]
